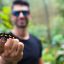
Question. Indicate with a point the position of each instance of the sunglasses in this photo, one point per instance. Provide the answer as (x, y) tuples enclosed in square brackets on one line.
[(16, 13)]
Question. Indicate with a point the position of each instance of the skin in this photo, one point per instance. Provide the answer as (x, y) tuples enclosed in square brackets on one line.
[(13, 52), (10, 54)]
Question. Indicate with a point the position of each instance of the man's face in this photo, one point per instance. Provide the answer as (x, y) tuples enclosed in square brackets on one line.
[(20, 16)]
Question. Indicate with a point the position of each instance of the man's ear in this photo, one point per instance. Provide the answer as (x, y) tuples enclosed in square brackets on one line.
[(12, 18)]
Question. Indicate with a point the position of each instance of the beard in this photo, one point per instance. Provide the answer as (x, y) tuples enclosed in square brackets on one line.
[(21, 23)]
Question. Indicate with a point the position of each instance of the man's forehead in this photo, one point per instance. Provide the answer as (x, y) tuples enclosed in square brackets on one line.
[(20, 7)]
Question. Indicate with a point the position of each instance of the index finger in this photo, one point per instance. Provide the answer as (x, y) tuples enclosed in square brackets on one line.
[(9, 43)]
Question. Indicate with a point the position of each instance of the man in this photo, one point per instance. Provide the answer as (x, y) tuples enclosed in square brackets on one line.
[(32, 52)]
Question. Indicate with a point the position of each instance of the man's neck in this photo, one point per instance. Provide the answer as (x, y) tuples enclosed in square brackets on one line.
[(21, 33)]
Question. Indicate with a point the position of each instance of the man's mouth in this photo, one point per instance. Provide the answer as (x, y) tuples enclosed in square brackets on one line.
[(21, 22)]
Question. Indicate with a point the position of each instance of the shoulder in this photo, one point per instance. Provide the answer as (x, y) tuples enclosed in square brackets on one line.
[(34, 37)]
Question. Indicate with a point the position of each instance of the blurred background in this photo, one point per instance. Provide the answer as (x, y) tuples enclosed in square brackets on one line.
[(47, 23)]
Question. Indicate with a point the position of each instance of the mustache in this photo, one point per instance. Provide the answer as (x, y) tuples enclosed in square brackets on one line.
[(20, 19), (23, 18)]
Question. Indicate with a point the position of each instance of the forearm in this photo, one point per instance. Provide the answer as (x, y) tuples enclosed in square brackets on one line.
[(2, 61), (41, 61)]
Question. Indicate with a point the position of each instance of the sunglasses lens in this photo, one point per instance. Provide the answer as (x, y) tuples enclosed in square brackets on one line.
[(25, 13), (16, 13)]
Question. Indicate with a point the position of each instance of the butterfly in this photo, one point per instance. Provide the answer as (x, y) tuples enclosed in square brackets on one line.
[(5, 36)]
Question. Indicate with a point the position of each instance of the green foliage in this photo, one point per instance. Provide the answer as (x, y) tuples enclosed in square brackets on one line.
[(57, 25), (38, 30), (61, 7), (5, 19), (60, 59)]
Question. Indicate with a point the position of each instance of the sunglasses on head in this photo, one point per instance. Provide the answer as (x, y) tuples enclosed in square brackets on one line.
[(16, 13)]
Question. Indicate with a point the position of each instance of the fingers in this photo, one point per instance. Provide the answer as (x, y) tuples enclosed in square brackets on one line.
[(19, 52), (7, 47), (20, 47), (17, 48), (9, 43), (13, 48)]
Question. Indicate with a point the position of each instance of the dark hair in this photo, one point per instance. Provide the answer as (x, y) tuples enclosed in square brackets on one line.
[(20, 2)]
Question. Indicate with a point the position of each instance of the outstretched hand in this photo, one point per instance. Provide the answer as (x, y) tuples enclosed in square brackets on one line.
[(12, 50)]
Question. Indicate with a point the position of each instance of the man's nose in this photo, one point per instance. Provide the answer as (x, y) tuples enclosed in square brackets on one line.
[(21, 14)]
